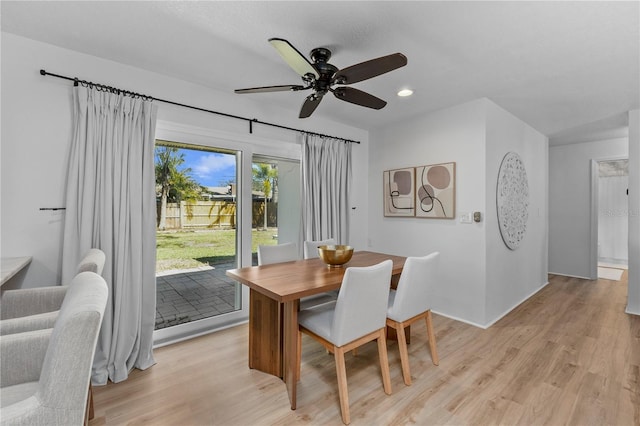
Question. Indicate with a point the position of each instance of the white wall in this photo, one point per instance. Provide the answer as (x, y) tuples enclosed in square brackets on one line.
[(480, 279), (633, 303), (514, 275), (36, 122), (455, 134), (570, 203)]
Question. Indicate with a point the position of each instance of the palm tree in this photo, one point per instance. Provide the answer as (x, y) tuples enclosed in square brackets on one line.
[(264, 176), (173, 183)]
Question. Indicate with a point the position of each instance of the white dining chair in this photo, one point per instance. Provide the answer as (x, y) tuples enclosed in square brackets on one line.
[(287, 252), (311, 247), (410, 302), (311, 252), (356, 318), (284, 252)]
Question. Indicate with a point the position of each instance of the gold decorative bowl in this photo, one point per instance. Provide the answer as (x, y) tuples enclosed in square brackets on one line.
[(335, 256)]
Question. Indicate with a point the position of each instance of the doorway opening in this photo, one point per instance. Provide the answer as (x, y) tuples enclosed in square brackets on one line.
[(611, 190)]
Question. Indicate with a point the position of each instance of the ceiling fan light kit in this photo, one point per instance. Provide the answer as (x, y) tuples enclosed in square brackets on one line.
[(320, 76)]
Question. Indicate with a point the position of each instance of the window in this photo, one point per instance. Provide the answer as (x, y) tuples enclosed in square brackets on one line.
[(276, 202)]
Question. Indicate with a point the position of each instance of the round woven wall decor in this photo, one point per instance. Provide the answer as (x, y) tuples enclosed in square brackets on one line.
[(512, 200)]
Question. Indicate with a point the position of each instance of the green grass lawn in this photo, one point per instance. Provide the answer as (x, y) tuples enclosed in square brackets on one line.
[(192, 249)]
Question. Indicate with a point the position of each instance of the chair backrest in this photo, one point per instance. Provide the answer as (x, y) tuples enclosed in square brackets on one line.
[(93, 261), (414, 289), (285, 252), (311, 247), (361, 307), (66, 370)]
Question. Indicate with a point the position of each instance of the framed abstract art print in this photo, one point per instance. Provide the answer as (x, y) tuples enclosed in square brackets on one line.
[(399, 192), (435, 191)]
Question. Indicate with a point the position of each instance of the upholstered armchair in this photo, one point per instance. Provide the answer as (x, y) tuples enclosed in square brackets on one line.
[(45, 374), (37, 308)]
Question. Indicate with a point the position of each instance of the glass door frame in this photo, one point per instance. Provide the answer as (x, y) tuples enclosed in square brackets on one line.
[(245, 145)]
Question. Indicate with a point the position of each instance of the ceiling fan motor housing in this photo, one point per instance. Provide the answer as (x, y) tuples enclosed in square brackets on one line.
[(320, 56)]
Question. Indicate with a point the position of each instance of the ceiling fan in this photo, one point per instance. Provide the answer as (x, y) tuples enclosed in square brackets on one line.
[(321, 76)]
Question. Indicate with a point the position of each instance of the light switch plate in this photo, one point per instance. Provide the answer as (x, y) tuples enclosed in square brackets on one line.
[(466, 218)]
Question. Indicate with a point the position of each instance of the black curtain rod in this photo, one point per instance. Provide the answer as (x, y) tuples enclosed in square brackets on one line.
[(251, 121)]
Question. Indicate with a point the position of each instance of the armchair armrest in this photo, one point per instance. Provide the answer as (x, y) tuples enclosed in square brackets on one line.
[(31, 301), (28, 323), (22, 356)]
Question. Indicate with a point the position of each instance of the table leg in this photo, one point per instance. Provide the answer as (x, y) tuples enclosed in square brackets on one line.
[(290, 350), (265, 335)]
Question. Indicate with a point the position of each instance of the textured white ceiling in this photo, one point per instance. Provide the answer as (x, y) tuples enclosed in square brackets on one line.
[(559, 66)]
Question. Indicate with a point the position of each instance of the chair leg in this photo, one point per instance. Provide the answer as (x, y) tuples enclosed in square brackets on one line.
[(89, 414), (432, 339), (404, 353), (299, 354), (384, 362), (341, 372)]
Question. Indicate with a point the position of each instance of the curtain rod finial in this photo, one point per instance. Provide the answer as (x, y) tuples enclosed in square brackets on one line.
[(43, 72)]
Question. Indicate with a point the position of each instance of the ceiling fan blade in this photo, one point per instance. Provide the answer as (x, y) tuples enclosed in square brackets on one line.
[(310, 104), (293, 57), (265, 89), (358, 97), (371, 68)]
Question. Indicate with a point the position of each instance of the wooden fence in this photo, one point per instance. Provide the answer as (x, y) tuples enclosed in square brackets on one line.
[(215, 215)]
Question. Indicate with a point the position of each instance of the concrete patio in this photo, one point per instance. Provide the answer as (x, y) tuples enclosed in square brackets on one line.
[(186, 296)]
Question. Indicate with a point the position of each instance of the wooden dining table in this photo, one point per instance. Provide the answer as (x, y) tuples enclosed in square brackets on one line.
[(275, 291)]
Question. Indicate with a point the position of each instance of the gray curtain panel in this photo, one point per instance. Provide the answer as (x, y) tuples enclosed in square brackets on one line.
[(110, 204), (326, 181)]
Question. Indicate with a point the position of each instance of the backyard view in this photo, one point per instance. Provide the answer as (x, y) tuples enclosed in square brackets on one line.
[(196, 231), (183, 250)]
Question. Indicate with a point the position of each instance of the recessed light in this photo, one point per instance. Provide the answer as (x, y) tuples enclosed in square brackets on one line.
[(405, 92)]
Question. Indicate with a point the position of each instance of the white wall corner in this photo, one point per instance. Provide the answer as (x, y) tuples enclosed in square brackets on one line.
[(512, 276), (633, 296), (506, 312)]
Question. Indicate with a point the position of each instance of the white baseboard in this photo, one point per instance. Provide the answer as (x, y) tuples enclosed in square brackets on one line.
[(486, 326), (459, 319), (629, 311), (570, 276)]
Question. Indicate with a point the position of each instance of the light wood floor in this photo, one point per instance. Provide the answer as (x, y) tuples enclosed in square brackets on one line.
[(569, 355)]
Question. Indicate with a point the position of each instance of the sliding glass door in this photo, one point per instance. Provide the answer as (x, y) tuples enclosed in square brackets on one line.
[(197, 238), (213, 209)]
